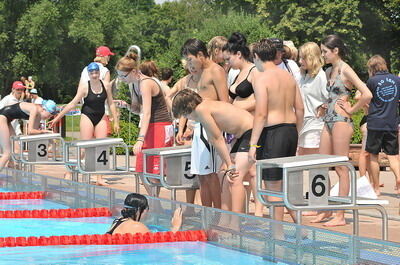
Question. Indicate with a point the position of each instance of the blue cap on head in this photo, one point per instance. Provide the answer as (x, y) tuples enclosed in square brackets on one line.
[(93, 67), (50, 106)]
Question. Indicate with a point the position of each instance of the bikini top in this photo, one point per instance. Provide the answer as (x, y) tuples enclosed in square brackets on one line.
[(338, 88), (244, 89)]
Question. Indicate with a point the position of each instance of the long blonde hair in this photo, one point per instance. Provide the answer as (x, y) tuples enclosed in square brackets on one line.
[(311, 53)]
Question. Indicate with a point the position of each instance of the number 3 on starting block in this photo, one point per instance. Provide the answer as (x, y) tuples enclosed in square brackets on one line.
[(319, 187), (38, 151)]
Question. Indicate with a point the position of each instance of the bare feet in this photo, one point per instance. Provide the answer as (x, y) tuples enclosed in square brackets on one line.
[(321, 216), (309, 213), (336, 221)]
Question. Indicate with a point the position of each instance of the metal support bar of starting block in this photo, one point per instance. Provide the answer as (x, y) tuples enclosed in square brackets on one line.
[(97, 156), (318, 195), (176, 161), (38, 149)]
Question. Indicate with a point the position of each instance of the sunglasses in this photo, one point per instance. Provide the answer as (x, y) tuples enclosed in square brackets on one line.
[(121, 75)]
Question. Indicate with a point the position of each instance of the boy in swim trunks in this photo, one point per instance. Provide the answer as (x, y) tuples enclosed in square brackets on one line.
[(216, 117), (212, 85), (278, 115)]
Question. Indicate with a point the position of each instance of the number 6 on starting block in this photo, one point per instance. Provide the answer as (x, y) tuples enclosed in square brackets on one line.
[(319, 187)]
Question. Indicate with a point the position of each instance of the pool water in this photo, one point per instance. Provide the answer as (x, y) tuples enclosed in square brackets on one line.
[(162, 253)]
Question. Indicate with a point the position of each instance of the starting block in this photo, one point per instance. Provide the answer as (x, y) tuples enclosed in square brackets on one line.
[(174, 173), (96, 156), (44, 149)]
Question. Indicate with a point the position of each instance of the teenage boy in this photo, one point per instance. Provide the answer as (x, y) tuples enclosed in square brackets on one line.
[(212, 85)]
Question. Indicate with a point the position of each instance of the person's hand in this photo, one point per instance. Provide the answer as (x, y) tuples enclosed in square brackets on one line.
[(231, 174), (53, 122), (137, 148), (252, 154), (345, 105), (116, 127), (179, 138), (321, 110), (176, 221)]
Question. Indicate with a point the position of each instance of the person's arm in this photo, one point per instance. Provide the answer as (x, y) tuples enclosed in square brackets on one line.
[(220, 83), (172, 92), (176, 221), (365, 97), (260, 115), (214, 134), (145, 90), (78, 97), (112, 107), (248, 104), (299, 108), (181, 128), (34, 119)]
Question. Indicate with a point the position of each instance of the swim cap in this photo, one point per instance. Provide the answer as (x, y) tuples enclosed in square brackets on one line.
[(50, 106), (93, 67)]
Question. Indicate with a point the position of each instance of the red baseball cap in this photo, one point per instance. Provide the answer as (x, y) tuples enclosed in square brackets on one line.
[(17, 85), (103, 51)]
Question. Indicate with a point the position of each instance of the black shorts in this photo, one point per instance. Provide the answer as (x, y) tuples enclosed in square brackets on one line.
[(243, 143), (386, 140), (277, 141)]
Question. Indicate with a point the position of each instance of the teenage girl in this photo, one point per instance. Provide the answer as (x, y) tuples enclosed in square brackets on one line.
[(34, 113), (94, 94)]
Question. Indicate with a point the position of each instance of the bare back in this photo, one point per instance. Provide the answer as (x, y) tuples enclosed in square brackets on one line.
[(228, 117), (281, 93)]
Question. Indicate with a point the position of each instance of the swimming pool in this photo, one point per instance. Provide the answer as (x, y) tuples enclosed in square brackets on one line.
[(250, 241)]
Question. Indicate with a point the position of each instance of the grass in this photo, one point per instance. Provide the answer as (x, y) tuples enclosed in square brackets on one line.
[(72, 123)]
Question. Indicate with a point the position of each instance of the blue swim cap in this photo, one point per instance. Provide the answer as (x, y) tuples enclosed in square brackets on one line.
[(93, 67), (50, 106)]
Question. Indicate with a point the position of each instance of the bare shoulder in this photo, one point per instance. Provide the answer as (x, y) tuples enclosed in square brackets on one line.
[(217, 69)]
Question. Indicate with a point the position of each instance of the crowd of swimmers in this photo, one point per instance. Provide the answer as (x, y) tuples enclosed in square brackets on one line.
[(239, 103)]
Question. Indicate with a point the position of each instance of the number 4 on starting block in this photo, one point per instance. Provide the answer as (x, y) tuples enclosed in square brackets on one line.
[(97, 158)]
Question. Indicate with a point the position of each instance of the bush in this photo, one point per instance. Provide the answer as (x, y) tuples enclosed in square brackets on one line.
[(128, 132)]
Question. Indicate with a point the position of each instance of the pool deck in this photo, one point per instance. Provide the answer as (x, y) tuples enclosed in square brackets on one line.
[(369, 226)]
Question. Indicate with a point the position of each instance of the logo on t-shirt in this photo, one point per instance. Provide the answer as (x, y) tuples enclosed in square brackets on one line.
[(386, 90)]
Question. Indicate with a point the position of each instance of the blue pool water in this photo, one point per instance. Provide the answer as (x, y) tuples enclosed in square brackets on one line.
[(29, 205), (163, 253)]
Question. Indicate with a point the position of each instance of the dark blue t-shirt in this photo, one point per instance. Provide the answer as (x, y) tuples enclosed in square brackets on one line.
[(383, 110)]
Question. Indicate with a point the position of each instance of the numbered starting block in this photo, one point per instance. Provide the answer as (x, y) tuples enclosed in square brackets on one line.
[(97, 156), (45, 149), (174, 173), (298, 194)]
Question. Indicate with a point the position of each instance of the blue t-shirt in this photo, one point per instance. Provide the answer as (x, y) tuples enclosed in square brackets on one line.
[(383, 110)]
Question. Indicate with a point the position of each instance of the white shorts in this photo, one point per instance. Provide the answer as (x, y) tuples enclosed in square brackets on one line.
[(310, 139), (203, 156)]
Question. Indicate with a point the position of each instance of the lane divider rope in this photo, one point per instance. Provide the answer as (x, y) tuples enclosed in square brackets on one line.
[(57, 213), (22, 195), (105, 239)]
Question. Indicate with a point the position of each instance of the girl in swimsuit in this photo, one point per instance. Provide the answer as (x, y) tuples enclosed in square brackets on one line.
[(34, 113), (338, 129), (95, 93), (135, 208), (241, 93), (156, 124)]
